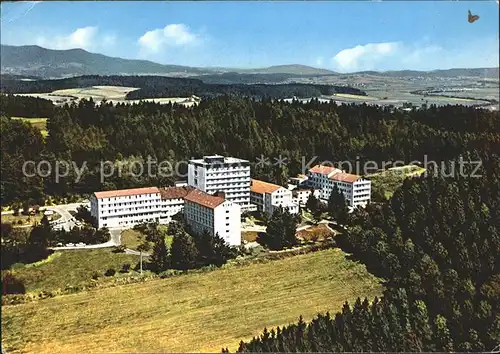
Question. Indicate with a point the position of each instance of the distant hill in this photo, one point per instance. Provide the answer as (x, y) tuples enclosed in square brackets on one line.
[(33, 60)]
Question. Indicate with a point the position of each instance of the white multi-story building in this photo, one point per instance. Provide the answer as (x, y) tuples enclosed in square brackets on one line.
[(267, 196), (298, 181), (222, 174), (214, 214), (356, 190), (126, 207), (318, 178), (129, 207), (300, 195), (172, 202)]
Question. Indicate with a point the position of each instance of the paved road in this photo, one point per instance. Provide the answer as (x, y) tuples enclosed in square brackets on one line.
[(136, 253), (66, 221)]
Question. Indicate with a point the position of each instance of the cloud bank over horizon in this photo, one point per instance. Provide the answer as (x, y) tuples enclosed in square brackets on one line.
[(415, 56), (171, 36), (88, 38), (368, 36)]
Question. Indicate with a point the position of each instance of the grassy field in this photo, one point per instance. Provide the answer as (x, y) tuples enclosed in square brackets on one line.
[(27, 219), (96, 92), (71, 268), (354, 97), (392, 178), (132, 239), (114, 94), (40, 123), (195, 312)]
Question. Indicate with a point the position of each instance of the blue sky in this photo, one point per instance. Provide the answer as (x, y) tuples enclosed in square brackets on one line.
[(343, 36)]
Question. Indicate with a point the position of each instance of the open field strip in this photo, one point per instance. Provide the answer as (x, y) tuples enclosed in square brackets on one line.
[(70, 268), (391, 179), (355, 97), (457, 99), (114, 94), (26, 220), (97, 92), (40, 123), (194, 312)]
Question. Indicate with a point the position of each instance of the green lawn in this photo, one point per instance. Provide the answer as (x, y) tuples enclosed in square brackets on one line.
[(390, 180), (198, 312), (27, 219), (71, 268), (40, 123), (132, 238)]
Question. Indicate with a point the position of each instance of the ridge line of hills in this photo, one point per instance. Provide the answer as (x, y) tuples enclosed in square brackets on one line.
[(31, 61)]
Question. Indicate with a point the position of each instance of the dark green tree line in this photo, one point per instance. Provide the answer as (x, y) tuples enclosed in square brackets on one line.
[(85, 134), (436, 244)]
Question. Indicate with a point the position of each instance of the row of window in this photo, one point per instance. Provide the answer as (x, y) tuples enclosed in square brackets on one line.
[(129, 197), (238, 185), (127, 216), (227, 174), (137, 202), (362, 196), (125, 210)]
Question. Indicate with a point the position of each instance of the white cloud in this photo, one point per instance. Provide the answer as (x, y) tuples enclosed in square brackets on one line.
[(420, 55), (87, 38), (364, 57), (174, 35), (320, 61)]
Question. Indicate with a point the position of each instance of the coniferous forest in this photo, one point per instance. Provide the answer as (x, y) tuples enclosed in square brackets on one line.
[(161, 86), (435, 243), (85, 134)]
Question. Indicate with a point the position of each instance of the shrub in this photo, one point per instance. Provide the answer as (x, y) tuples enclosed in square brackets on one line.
[(125, 268), (110, 272), (26, 208), (119, 249), (6, 229), (12, 285), (17, 266)]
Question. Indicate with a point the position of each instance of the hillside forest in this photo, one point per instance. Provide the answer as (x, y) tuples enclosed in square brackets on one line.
[(161, 86), (84, 134), (435, 243)]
